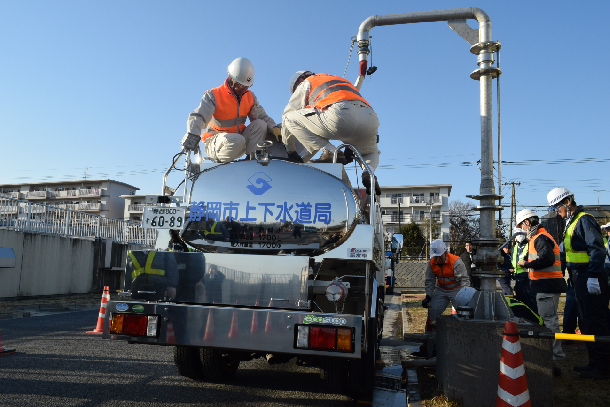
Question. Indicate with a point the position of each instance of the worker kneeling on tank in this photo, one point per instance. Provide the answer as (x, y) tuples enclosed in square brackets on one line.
[(445, 276)]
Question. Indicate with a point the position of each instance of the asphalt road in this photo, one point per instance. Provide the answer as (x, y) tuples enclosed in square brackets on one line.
[(57, 364)]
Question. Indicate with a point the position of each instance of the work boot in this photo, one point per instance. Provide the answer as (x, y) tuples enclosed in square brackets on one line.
[(589, 366), (327, 157), (601, 369), (294, 157), (366, 181)]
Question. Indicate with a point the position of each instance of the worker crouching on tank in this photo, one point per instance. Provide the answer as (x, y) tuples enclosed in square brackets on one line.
[(154, 275), (546, 277), (446, 275)]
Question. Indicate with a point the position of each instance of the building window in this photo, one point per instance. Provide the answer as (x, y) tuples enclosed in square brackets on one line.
[(434, 197), (418, 198), (396, 199)]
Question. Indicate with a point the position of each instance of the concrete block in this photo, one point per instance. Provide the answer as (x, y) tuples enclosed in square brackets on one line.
[(468, 361)]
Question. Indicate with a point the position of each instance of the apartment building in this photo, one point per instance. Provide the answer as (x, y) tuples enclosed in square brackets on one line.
[(407, 203), (96, 196), (133, 207)]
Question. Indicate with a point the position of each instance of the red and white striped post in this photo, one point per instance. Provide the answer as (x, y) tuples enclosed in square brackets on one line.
[(100, 319)]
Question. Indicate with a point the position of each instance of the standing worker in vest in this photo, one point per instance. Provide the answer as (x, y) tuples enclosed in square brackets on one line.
[(523, 292), (446, 275), (546, 277), (327, 107), (224, 111), (584, 255)]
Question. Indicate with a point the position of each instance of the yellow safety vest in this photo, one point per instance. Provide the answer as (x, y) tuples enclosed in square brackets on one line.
[(571, 255), (517, 267), (212, 230), (138, 269)]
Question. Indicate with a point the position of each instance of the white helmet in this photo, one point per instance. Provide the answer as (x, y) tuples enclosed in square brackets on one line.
[(296, 77), (525, 214), (437, 248), (557, 195), (464, 296), (606, 226), (520, 234), (241, 71)]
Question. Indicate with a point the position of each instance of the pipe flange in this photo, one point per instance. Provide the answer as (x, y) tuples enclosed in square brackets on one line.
[(492, 46), (488, 208), (495, 72), (485, 196)]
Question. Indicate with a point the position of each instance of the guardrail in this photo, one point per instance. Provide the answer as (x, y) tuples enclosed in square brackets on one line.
[(27, 216)]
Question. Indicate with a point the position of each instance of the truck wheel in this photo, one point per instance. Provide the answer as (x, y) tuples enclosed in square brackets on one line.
[(217, 367), (188, 362), (334, 373), (362, 371)]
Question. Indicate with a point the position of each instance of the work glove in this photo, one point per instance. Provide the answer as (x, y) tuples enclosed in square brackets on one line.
[(190, 141), (277, 132), (593, 286), (349, 155), (426, 301)]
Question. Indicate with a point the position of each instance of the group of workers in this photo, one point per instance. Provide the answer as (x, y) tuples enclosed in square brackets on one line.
[(539, 265), (322, 108)]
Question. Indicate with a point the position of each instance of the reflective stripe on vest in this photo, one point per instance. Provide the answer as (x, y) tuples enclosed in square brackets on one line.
[(553, 271), (329, 89), (138, 269), (571, 255), (518, 269), (445, 277), (230, 114), (212, 230), (512, 303)]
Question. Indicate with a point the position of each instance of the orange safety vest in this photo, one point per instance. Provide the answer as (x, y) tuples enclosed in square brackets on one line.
[(553, 271), (230, 114), (445, 278), (329, 89)]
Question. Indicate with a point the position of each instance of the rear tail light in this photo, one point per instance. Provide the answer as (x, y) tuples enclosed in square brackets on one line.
[(324, 338), (134, 325)]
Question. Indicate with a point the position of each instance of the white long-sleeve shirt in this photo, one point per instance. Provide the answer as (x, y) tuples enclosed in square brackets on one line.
[(199, 118)]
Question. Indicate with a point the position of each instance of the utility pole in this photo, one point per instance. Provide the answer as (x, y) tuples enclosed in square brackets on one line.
[(513, 205), (598, 191)]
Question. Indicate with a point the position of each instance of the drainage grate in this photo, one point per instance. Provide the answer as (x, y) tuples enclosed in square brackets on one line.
[(391, 383)]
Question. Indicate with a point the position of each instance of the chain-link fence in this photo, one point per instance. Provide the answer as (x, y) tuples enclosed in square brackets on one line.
[(411, 274)]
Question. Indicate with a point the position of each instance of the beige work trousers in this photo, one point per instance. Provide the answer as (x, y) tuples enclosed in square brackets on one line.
[(349, 121), (547, 308), (226, 147), (440, 299)]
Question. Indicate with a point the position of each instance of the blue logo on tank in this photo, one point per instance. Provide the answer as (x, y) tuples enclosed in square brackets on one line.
[(121, 306), (261, 179)]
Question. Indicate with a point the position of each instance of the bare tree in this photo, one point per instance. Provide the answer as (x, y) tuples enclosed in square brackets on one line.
[(463, 224)]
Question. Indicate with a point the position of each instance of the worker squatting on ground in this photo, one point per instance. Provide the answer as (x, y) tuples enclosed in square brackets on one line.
[(584, 255), (546, 277), (445, 276), (327, 107), (224, 111), (523, 291)]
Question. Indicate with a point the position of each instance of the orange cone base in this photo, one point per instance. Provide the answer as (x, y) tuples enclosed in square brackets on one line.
[(6, 351), (96, 331)]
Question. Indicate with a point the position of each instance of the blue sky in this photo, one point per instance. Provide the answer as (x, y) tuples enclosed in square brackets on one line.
[(108, 86)]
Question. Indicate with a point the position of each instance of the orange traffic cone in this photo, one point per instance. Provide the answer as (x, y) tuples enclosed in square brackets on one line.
[(453, 311), (170, 337), (209, 327), (100, 319), (254, 327), (233, 332), (269, 323), (4, 351), (512, 386)]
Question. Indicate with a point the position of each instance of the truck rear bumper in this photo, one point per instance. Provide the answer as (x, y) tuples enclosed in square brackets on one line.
[(242, 329)]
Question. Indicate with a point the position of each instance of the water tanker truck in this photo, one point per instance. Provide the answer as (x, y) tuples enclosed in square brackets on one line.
[(260, 258)]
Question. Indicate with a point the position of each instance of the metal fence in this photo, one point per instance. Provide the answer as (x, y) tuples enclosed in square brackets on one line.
[(27, 216)]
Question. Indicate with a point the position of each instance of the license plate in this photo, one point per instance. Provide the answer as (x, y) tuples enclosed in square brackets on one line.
[(163, 218)]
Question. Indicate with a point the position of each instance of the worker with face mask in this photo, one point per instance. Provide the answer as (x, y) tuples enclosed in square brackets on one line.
[(584, 256), (523, 292), (446, 275), (224, 110), (327, 107)]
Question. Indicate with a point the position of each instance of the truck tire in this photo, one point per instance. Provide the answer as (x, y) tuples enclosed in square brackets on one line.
[(335, 375), (217, 367), (188, 362), (362, 371)]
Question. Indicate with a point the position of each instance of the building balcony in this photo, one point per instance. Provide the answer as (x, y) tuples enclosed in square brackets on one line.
[(68, 193), (408, 201), (136, 208), (408, 218), (14, 195), (36, 195), (89, 192), (89, 207)]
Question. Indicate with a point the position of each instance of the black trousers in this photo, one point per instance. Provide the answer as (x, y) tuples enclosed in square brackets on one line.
[(592, 309), (524, 294)]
